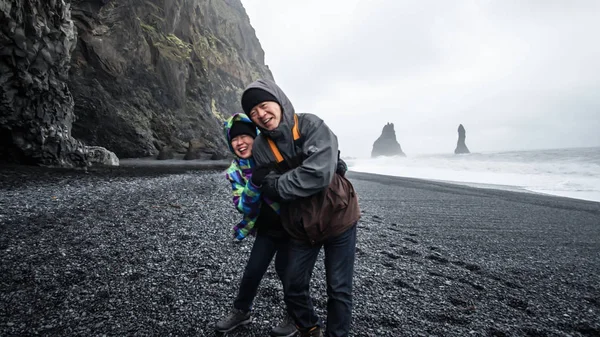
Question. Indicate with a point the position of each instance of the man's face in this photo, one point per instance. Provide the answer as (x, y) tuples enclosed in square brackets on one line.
[(266, 115), (242, 146)]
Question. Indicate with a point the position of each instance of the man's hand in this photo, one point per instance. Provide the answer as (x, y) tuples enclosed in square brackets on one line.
[(259, 174), (341, 168), (269, 186)]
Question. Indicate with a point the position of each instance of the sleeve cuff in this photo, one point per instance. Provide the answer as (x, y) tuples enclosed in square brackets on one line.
[(253, 187)]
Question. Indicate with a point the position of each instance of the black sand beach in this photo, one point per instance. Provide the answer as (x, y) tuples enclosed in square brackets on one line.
[(148, 251)]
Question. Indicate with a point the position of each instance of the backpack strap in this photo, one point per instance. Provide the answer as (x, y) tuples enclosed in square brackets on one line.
[(273, 146)]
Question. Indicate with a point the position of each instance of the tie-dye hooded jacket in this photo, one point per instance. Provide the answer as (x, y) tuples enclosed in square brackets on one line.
[(246, 196)]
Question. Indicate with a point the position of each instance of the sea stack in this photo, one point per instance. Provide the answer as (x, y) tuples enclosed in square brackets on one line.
[(461, 146), (386, 144)]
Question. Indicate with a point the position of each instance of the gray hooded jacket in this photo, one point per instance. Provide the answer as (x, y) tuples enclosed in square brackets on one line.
[(319, 147)]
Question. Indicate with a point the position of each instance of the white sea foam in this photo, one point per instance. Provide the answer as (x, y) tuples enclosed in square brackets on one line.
[(573, 173)]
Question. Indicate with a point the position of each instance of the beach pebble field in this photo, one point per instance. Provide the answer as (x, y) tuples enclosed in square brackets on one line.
[(149, 252)]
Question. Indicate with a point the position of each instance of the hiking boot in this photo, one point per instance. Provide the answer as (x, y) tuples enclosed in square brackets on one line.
[(233, 320), (286, 328), (315, 331)]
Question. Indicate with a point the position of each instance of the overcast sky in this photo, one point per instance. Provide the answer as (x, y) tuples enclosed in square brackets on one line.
[(517, 74)]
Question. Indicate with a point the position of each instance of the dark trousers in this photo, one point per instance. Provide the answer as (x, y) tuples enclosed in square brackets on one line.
[(262, 253), (339, 269)]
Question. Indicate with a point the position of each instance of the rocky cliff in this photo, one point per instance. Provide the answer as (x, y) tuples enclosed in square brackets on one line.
[(461, 146), (132, 76), (386, 144), (36, 106)]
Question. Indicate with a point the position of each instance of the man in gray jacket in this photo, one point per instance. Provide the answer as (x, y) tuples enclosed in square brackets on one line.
[(306, 167)]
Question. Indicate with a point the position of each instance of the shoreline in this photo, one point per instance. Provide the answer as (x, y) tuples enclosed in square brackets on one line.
[(152, 162), (150, 166), (502, 187)]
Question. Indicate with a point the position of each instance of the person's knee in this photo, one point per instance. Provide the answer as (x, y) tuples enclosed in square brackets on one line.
[(341, 284), (254, 272), (341, 288), (281, 274), (292, 284), (280, 268), (340, 294), (295, 282)]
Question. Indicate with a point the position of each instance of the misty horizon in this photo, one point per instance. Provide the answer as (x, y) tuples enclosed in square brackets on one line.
[(518, 76)]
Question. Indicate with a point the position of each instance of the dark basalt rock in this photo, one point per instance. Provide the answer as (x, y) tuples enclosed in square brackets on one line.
[(461, 146), (196, 150), (220, 156), (97, 155), (36, 106), (123, 75), (165, 153), (386, 144)]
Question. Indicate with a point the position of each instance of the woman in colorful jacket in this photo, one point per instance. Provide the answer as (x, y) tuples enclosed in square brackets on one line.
[(260, 218)]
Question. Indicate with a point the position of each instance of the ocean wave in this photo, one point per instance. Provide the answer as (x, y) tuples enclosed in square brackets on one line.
[(566, 172)]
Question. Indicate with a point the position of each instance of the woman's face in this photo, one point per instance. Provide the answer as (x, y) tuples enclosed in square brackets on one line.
[(242, 146)]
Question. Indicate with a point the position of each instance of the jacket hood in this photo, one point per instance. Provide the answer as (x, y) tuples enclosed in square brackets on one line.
[(238, 117), (287, 109)]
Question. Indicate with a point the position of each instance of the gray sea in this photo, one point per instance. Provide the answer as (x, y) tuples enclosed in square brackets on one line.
[(573, 173)]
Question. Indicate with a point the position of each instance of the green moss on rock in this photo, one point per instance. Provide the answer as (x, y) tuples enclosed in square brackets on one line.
[(168, 45), (173, 48)]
